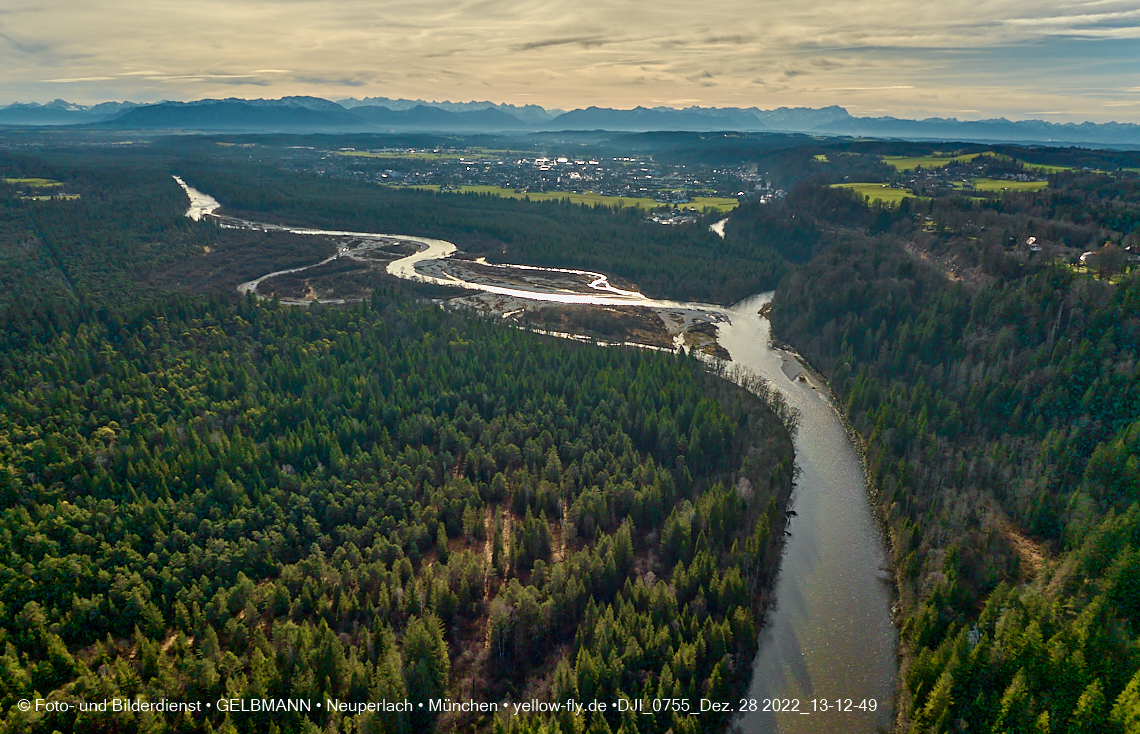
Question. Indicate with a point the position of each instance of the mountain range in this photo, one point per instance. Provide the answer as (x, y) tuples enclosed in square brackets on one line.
[(381, 114)]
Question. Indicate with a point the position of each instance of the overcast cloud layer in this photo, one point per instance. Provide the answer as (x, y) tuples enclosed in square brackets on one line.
[(1054, 60)]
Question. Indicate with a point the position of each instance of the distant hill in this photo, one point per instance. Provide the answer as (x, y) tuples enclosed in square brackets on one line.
[(640, 119), (423, 117), (60, 112), (699, 119), (293, 114), (531, 114), (308, 114), (380, 114), (999, 130)]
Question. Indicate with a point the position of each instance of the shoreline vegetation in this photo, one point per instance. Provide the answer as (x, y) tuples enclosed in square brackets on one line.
[(390, 499), (215, 497), (993, 387)]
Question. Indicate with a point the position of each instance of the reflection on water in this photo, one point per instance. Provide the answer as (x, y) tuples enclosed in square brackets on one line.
[(829, 638), (201, 205)]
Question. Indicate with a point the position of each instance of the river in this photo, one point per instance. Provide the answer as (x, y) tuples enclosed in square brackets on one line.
[(827, 646), (830, 634)]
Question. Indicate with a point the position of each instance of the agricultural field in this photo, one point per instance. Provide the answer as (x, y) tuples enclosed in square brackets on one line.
[(39, 183), (994, 184), (909, 163), (881, 192), (719, 203), (1044, 168)]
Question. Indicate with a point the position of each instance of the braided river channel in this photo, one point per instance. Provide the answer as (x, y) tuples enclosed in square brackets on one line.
[(827, 659)]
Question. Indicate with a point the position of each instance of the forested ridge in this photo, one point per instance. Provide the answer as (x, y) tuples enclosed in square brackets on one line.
[(124, 241), (997, 391), (61, 258), (205, 498)]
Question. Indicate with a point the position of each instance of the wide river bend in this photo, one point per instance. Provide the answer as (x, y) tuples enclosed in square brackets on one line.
[(827, 647)]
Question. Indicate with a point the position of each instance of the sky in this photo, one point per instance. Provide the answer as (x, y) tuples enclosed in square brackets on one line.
[(1063, 61)]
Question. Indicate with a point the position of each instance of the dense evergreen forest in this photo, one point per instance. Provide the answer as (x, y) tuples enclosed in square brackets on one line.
[(205, 497), (996, 388), (212, 497), (125, 240)]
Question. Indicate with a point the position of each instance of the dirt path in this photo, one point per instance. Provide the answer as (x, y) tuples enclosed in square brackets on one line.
[(559, 553)]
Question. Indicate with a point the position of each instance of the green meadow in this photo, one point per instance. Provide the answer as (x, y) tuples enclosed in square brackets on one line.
[(34, 182), (881, 192), (713, 202), (993, 184), (1043, 168), (935, 160), (719, 203)]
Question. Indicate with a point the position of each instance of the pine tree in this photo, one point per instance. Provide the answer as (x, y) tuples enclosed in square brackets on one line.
[(427, 669)]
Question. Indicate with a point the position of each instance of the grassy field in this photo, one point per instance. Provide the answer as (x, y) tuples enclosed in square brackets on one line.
[(1043, 168), (699, 202), (883, 193), (34, 182), (719, 203), (1082, 269), (909, 163), (993, 184), (937, 160)]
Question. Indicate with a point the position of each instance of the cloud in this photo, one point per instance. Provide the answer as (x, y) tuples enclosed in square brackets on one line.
[(23, 47), (1000, 56), (867, 89), (583, 41), (242, 82), (80, 79), (729, 40), (185, 77), (332, 82)]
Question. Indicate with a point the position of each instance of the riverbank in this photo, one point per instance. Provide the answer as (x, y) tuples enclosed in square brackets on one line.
[(829, 635)]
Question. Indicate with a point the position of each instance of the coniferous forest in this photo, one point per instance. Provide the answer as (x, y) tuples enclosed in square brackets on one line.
[(209, 497), (997, 391)]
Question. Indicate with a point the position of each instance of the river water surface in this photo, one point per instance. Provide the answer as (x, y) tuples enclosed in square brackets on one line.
[(827, 649), (830, 635)]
